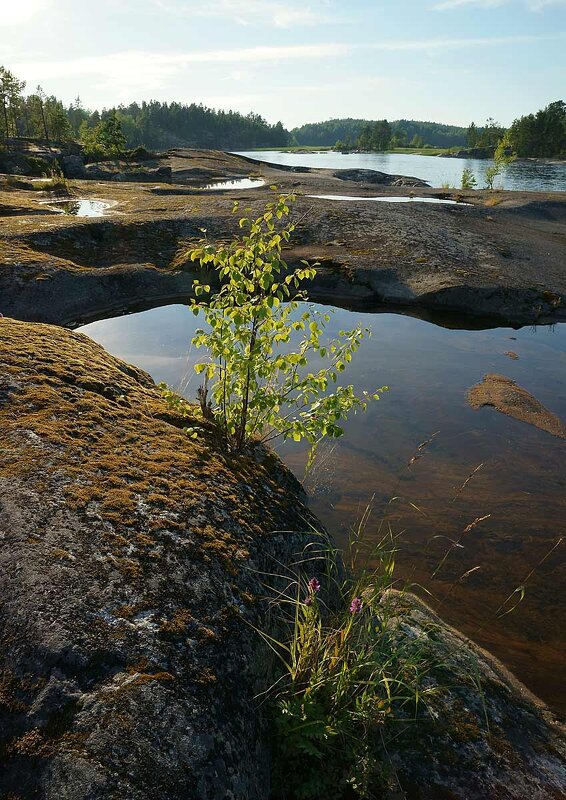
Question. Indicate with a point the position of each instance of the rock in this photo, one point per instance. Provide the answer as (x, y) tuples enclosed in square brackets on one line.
[(122, 171), (503, 394), (130, 564), (481, 735), (470, 152), (73, 166), (373, 176)]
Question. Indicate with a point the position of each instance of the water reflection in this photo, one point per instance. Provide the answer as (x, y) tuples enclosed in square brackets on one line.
[(435, 170), (79, 208), (238, 183), (433, 200), (521, 482)]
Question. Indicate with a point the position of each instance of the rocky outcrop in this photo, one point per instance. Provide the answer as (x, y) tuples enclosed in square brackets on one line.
[(122, 171), (470, 152), (503, 394), (131, 560), (37, 157), (376, 177), (480, 734)]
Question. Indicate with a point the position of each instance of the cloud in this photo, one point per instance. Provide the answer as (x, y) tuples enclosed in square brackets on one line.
[(532, 5), (146, 71), (249, 12), (19, 12), (145, 63)]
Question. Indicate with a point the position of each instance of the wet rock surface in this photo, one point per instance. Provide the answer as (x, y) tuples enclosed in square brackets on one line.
[(506, 396), (482, 735)]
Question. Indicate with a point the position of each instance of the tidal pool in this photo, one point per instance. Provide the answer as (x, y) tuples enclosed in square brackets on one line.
[(79, 208), (476, 464)]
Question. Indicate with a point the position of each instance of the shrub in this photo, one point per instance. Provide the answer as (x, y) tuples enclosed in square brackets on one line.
[(259, 390), (468, 179)]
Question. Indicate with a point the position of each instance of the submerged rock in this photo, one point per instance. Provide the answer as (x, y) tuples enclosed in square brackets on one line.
[(503, 394)]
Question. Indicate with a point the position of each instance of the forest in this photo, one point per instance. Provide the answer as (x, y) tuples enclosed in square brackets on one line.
[(540, 135), (162, 125), (152, 124), (403, 132)]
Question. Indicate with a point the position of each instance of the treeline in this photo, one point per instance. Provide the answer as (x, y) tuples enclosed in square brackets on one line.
[(540, 135), (404, 133), (152, 124), (162, 125)]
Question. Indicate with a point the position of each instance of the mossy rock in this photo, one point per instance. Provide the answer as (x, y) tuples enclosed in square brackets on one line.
[(130, 558)]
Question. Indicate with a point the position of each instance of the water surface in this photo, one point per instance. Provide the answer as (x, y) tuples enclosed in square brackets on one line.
[(433, 200), (435, 170), (236, 183), (79, 208), (518, 472)]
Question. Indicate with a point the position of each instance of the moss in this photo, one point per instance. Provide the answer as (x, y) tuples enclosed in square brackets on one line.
[(85, 428), (205, 677), (32, 743), (178, 623)]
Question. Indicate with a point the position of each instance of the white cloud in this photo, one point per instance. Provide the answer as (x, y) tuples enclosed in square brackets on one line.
[(137, 73), (19, 12), (249, 12), (532, 5), (141, 64)]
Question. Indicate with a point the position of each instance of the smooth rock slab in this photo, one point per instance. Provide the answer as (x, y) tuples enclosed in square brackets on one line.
[(130, 564)]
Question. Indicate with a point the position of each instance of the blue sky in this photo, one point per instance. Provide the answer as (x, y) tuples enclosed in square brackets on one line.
[(299, 61)]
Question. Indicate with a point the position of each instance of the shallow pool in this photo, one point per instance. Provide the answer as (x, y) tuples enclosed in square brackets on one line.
[(476, 464), (237, 183), (79, 208), (434, 200)]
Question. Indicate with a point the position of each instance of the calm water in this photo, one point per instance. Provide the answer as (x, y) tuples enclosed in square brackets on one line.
[(239, 183), (432, 200), (79, 208), (521, 483), (433, 169)]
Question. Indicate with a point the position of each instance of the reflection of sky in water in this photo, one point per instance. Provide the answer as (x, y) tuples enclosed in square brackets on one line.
[(432, 200), (80, 208), (429, 370), (416, 358), (238, 183)]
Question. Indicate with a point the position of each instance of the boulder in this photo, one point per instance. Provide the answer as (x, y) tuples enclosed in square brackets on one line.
[(480, 734), (374, 176), (73, 166)]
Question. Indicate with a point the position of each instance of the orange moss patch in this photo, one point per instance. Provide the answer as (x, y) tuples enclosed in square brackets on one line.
[(77, 421)]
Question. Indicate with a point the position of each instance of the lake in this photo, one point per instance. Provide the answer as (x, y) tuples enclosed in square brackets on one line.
[(517, 471), (437, 171)]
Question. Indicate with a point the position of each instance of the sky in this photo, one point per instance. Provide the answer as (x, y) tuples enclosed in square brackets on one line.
[(450, 61)]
